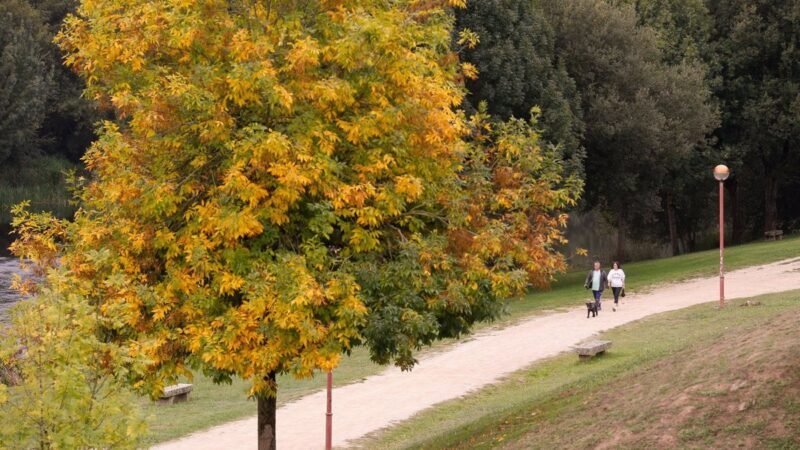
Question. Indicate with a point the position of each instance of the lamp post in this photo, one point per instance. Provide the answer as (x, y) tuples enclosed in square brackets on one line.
[(329, 414), (721, 173)]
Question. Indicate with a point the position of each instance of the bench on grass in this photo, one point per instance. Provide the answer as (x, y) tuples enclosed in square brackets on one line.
[(774, 235), (176, 393), (588, 349)]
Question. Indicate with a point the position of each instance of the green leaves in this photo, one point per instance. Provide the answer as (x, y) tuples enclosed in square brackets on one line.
[(642, 113), (754, 54), (71, 389), (26, 80), (519, 68)]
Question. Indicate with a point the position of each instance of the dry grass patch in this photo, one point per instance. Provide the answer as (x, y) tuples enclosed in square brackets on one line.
[(740, 391)]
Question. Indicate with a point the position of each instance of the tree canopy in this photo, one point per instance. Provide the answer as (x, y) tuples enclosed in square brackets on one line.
[(286, 181), (61, 393), (519, 70), (754, 51), (26, 80), (641, 114)]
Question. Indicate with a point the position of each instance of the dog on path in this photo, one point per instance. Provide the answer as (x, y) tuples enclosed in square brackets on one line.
[(591, 308)]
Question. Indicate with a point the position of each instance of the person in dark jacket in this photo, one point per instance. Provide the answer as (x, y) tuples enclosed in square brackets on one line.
[(597, 280)]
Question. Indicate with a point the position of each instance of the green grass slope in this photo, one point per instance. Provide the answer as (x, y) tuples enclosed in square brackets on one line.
[(695, 378)]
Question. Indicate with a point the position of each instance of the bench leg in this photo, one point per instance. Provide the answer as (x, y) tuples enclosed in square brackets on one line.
[(181, 398), (588, 357)]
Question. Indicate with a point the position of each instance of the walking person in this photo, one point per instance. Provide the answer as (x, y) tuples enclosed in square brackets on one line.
[(616, 281), (597, 280)]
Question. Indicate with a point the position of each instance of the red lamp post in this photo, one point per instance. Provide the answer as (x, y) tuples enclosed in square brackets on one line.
[(329, 414), (721, 173)]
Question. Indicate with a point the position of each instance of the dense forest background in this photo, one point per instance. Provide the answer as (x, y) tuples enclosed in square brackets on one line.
[(641, 97), (45, 124)]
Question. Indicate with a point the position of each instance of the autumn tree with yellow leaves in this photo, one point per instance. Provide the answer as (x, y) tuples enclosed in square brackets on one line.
[(286, 180)]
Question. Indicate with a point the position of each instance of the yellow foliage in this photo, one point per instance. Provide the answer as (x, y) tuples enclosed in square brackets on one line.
[(277, 177)]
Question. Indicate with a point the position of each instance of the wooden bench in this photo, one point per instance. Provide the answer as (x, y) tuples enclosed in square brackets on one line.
[(175, 394), (774, 235), (588, 349)]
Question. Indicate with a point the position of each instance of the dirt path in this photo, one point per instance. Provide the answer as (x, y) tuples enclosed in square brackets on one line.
[(393, 396)]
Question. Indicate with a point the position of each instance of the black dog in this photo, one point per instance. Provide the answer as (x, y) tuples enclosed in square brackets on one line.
[(591, 308)]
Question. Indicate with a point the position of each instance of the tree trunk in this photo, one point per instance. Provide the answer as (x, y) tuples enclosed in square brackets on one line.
[(621, 238), (737, 213), (691, 241), (267, 409), (770, 204), (673, 226)]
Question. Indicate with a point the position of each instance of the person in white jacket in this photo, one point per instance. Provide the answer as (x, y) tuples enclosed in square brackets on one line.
[(616, 281)]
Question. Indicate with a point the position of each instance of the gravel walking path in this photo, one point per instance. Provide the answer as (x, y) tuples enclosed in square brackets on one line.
[(392, 396)]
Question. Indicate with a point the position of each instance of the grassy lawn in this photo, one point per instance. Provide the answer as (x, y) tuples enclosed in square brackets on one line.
[(568, 289), (694, 378), (213, 404)]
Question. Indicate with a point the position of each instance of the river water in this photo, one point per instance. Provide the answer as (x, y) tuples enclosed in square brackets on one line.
[(8, 267)]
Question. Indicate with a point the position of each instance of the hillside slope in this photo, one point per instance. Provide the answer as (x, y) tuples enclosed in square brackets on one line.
[(694, 378), (740, 390)]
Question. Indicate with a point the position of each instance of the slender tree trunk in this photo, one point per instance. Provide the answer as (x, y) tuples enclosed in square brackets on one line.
[(673, 226), (621, 237), (690, 241), (770, 203), (737, 213), (267, 411)]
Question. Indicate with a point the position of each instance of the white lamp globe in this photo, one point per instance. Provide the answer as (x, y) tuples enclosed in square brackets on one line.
[(721, 172)]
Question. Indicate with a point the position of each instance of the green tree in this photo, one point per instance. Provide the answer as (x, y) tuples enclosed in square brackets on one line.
[(285, 181), (640, 112), (67, 390), (42, 111), (755, 49), (68, 126), (25, 80), (518, 70), (683, 29)]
